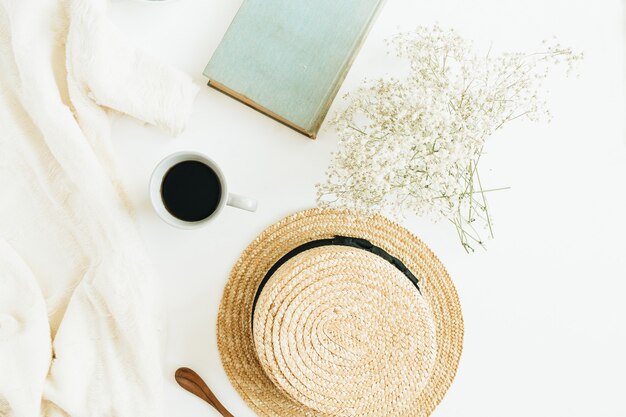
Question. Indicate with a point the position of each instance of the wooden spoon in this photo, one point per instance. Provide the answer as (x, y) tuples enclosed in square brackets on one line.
[(192, 382)]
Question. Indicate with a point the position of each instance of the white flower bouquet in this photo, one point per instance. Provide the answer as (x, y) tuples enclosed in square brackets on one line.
[(414, 144)]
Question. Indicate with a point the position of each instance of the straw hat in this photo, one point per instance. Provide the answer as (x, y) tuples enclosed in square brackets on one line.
[(329, 313)]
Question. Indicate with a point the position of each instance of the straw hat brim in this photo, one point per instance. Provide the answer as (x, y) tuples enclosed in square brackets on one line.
[(234, 330)]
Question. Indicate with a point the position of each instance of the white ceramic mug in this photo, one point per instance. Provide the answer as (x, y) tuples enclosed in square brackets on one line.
[(161, 171)]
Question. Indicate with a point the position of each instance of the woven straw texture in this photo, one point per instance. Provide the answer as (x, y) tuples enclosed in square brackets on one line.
[(339, 331)]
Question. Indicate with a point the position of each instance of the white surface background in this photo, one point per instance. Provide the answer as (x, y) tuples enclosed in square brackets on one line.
[(545, 306)]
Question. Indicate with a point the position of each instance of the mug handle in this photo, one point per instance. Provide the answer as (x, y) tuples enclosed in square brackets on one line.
[(241, 202)]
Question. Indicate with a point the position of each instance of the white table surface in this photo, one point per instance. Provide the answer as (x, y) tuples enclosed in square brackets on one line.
[(545, 306)]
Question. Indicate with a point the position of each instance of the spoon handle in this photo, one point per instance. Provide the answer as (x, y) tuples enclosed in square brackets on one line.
[(192, 382)]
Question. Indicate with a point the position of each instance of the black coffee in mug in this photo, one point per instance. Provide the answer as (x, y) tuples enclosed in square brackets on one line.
[(191, 191), (188, 190)]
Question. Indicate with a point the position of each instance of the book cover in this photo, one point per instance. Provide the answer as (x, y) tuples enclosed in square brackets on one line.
[(288, 58)]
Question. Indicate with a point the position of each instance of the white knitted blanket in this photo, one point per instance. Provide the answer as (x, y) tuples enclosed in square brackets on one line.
[(77, 336)]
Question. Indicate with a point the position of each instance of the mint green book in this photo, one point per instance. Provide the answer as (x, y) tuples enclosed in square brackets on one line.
[(288, 58)]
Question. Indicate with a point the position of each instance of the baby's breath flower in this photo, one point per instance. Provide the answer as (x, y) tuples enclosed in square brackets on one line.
[(414, 144)]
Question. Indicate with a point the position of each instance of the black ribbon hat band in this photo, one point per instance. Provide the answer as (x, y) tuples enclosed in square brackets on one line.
[(336, 241)]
